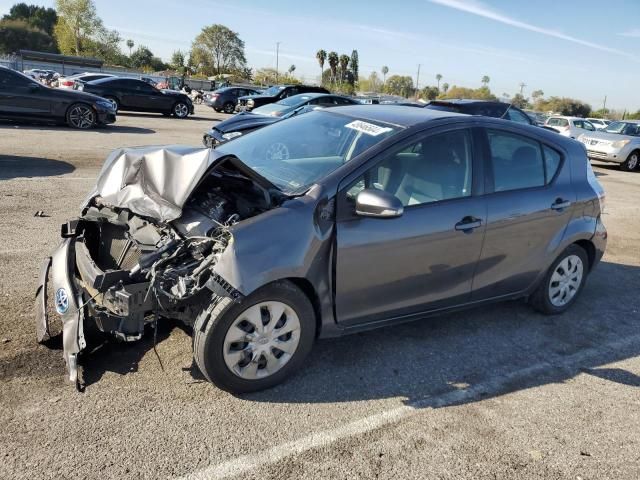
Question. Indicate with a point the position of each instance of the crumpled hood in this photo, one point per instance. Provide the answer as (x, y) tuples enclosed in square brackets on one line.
[(245, 121), (153, 181)]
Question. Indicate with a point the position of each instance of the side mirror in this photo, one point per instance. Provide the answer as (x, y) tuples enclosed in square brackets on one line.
[(378, 203)]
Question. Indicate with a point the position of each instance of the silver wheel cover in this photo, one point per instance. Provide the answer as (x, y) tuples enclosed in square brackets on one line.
[(633, 161), (565, 281), (81, 116), (261, 340)]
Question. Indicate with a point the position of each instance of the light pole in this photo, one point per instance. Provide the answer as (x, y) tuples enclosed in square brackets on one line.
[(277, 59), (418, 81), (522, 85)]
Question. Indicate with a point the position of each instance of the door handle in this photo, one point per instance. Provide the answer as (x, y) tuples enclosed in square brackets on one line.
[(560, 204), (467, 224)]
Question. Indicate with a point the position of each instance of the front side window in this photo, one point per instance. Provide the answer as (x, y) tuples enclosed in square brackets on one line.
[(11, 79), (517, 161), (434, 169)]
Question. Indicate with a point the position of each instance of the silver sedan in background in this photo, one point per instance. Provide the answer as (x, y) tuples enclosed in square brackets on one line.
[(618, 143)]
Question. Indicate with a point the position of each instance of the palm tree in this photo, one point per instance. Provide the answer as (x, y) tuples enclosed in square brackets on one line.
[(292, 69), (344, 63), (384, 71), (445, 87), (321, 56), (333, 64), (438, 78), (130, 44), (485, 80)]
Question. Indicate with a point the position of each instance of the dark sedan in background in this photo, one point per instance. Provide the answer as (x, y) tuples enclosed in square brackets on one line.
[(138, 96), (275, 94), (23, 98), (226, 98), (246, 122)]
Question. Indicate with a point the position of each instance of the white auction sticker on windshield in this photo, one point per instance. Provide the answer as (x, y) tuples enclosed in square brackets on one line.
[(368, 128)]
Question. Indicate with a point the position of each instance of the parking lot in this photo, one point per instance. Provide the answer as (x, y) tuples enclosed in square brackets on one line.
[(497, 392)]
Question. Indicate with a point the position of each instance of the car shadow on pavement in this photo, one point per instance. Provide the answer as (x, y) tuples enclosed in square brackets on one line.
[(16, 166), (105, 129), (476, 354)]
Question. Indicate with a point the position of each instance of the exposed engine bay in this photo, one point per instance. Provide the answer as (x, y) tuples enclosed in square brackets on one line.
[(134, 268)]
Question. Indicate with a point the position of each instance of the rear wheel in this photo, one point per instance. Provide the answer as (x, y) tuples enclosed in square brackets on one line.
[(81, 115), (256, 343), (229, 107), (181, 110), (562, 283), (632, 162)]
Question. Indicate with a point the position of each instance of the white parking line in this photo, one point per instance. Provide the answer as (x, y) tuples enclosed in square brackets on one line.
[(245, 463)]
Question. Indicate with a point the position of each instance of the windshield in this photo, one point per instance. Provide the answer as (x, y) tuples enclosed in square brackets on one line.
[(623, 128), (294, 101), (272, 91), (270, 108), (298, 152)]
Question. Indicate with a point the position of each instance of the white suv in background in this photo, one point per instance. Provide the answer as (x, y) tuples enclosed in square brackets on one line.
[(571, 127)]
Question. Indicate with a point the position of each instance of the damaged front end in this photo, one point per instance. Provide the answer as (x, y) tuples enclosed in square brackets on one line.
[(147, 244)]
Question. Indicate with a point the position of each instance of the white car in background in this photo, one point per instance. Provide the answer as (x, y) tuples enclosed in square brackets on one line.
[(571, 127), (618, 143), (599, 123), (70, 81)]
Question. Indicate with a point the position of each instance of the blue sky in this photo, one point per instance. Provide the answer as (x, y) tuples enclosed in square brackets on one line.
[(583, 49)]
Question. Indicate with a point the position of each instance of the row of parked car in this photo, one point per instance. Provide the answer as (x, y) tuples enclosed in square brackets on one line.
[(86, 101)]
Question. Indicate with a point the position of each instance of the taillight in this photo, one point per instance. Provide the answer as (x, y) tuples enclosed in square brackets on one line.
[(67, 83)]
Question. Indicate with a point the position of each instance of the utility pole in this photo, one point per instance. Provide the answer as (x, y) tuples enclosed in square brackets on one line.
[(418, 81), (604, 107), (277, 59), (522, 85)]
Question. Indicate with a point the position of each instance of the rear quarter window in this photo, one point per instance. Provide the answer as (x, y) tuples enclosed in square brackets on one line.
[(516, 160)]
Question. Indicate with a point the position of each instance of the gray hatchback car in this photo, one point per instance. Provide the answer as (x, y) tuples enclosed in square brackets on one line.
[(321, 225)]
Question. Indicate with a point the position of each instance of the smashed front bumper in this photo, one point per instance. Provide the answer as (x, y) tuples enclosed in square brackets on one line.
[(68, 304)]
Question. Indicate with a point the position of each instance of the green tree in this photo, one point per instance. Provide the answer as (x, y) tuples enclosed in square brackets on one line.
[(355, 66), (429, 93), (37, 17), (18, 34), (143, 58), (399, 85), (178, 61), (536, 94), (218, 50), (267, 76), (78, 22), (520, 101), (370, 84), (321, 56), (482, 93), (130, 45), (445, 88), (438, 78), (485, 80), (333, 60), (344, 63), (384, 70), (564, 106)]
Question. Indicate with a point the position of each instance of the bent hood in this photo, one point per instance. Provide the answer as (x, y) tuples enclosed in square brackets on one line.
[(153, 181), (244, 121)]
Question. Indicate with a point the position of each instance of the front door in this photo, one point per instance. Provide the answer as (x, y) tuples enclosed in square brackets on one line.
[(22, 97), (424, 259)]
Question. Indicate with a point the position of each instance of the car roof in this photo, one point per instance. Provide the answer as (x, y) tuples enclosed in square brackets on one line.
[(399, 115), (110, 79)]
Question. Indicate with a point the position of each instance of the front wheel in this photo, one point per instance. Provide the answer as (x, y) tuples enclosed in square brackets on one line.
[(562, 283), (256, 343), (632, 161), (81, 116), (181, 110), (229, 107)]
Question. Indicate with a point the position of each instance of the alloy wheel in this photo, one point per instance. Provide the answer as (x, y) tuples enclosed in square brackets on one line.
[(181, 110), (632, 163), (261, 340), (81, 116), (565, 281)]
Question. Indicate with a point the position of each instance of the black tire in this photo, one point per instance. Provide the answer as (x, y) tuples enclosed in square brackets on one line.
[(213, 323), (81, 116), (114, 101), (632, 162), (541, 299), (229, 107), (180, 110), (218, 110)]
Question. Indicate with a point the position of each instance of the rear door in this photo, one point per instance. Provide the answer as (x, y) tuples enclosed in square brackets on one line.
[(530, 202), (424, 259)]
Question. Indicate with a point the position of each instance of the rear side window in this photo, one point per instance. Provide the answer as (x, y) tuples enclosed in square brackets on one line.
[(552, 161), (558, 122), (517, 116), (517, 161)]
